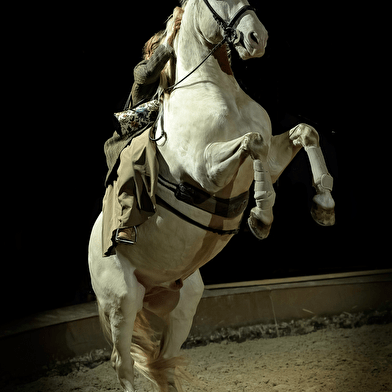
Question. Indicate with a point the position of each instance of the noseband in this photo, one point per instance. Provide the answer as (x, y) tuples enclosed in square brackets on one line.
[(230, 34)]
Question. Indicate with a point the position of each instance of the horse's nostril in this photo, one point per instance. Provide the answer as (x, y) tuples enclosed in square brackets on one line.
[(253, 37)]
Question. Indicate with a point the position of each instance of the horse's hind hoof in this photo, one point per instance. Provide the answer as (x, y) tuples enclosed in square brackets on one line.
[(257, 227), (323, 216)]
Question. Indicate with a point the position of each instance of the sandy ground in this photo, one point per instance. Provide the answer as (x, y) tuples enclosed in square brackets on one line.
[(338, 360)]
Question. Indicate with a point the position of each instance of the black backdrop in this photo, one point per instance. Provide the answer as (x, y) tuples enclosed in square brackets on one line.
[(78, 67)]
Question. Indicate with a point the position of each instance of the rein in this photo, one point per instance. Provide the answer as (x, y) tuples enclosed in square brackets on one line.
[(230, 35)]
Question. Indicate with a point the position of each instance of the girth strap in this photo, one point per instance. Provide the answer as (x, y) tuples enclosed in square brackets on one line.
[(195, 197), (168, 207), (226, 208)]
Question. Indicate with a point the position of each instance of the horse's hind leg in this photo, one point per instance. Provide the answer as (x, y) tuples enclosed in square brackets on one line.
[(179, 323), (122, 322), (120, 298), (118, 327)]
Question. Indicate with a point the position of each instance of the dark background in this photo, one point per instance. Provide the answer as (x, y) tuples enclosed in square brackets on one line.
[(77, 63)]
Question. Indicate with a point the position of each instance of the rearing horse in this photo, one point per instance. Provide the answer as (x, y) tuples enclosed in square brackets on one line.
[(214, 142)]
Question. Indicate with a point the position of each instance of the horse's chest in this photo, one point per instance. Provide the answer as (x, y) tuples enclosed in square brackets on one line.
[(237, 114)]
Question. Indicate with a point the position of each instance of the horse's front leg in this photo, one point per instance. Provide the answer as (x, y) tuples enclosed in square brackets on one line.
[(323, 211), (223, 161)]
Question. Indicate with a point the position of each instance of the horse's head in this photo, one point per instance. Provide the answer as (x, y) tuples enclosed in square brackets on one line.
[(250, 36)]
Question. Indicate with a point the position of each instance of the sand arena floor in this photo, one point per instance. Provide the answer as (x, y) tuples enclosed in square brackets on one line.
[(335, 360)]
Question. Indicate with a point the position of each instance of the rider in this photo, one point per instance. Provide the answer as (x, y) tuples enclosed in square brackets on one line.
[(130, 197)]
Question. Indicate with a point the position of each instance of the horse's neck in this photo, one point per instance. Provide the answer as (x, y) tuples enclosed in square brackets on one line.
[(191, 51)]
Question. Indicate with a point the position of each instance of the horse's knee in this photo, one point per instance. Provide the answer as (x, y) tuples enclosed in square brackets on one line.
[(255, 146), (304, 135)]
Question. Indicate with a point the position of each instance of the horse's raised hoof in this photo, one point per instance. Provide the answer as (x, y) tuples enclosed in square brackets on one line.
[(323, 216), (323, 209), (259, 229)]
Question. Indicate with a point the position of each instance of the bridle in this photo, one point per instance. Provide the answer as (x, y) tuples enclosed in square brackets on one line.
[(230, 34)]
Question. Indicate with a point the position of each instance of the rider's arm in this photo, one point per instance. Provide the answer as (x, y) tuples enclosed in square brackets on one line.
[(148, 71)]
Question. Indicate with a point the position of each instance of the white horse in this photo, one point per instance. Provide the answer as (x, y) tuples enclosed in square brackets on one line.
[(215, 141)]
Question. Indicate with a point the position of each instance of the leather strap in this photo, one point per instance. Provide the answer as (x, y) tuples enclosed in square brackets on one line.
[(226, 208), (168, 207), (228, 25)]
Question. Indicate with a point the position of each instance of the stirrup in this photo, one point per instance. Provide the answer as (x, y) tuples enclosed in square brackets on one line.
[(123, 240)]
